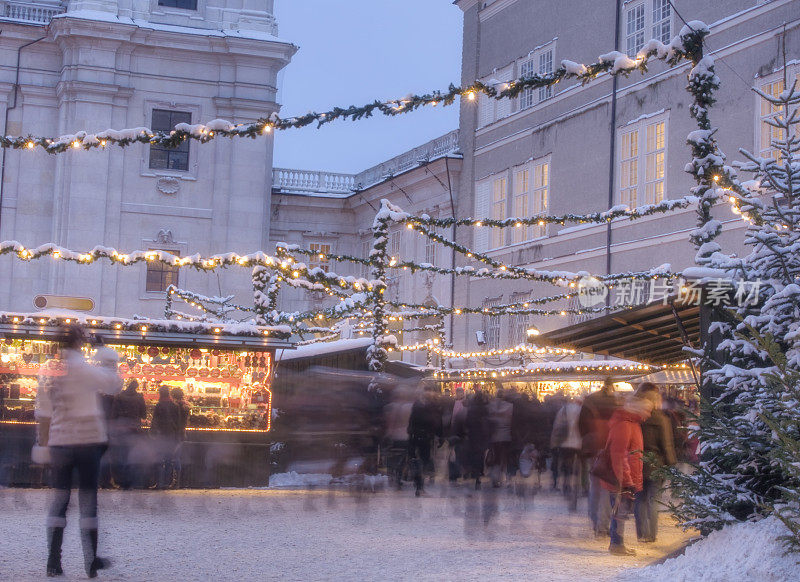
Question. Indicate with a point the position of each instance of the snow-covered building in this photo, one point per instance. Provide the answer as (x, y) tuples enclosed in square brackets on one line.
[(584, 148), (68, 65), (333, 214)]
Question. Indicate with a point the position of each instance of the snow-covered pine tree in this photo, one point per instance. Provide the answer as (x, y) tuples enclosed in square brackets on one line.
[(748, 430)]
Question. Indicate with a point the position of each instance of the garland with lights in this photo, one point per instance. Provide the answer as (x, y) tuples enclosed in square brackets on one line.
[(220, 313), (614, 63)]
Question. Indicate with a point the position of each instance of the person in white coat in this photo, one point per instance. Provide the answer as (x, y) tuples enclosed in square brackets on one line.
[(72, 425)]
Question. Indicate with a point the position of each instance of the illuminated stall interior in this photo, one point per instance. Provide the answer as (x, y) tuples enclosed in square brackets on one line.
[(225, 378)]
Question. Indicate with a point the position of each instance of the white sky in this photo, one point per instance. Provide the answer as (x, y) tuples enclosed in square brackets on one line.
[(352, 52)]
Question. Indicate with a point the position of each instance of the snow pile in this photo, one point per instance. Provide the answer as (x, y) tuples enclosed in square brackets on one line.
[(294, 479), (745, 551)]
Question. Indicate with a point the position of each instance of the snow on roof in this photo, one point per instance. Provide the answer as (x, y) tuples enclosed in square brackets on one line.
[(100, 16), (323, 348)]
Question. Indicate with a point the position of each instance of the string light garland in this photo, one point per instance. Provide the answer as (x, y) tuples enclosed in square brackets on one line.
[(613, 63), (533, 369)]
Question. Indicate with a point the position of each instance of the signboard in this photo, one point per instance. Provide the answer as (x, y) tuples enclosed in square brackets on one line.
[(63, 302)]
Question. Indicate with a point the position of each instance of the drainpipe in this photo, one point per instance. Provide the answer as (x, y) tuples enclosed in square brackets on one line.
[(612, 146), (453, 253), (5, 124)]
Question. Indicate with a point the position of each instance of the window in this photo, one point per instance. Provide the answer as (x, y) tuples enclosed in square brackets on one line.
[(366, 248), (541, 189), (653, 18), (489, 108), (545, 66), (635, 29), (531, 186), (539, 62), (519, 322), (159, 275), (184, 4), (430, 250), (662, 15), (320, 259), (769, 111), (643, 145), (492, 325), (162, 158), (499, 188)]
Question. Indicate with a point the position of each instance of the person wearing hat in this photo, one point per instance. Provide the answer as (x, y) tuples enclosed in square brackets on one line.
[(72, 425), (625, 449)]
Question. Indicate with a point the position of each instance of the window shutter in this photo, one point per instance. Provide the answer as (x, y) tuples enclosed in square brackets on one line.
[(504, 105), (483, 191), (485, 110)]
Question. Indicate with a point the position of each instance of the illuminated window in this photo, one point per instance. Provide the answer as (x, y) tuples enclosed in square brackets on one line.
[(499, 201), (642, 158), (531, 187), (159, 275), (320, 258), (540, 194), (163, 158)]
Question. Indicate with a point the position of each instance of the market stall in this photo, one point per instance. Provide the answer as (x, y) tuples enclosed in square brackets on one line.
[(225, 372)]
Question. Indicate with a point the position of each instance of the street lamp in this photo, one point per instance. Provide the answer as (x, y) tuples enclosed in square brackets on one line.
[(532, 332)]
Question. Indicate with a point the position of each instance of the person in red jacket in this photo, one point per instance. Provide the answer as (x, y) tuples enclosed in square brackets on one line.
[(625, 446)]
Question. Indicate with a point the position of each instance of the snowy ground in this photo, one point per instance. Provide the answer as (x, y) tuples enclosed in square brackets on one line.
[(322, 535)]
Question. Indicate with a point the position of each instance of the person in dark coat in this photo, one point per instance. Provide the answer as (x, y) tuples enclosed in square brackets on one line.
[(127, 413), (625, 449), (595, 414), (165, 428), (477, 430), (184, 411), (424, 426), (659, 444)]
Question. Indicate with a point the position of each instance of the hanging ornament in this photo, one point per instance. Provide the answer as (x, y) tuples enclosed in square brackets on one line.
[(214, 352), (152, 352), (195, 354), (247, 361), (165, 351), (141, 349)]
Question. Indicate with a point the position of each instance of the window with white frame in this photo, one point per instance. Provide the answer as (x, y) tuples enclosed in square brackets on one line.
[(366, 248), (160, 275), (519, 322), (646, 20), (320, 258), (492, 324), (773, 86), (489, 108), (538, 62), (531, 186), (642, 159), (430, 250), (499, 210)]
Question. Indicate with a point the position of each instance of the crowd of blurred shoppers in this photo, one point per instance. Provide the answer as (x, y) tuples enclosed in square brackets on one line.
[(606, 446)]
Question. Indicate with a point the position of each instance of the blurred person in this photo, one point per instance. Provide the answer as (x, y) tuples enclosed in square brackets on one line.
[(552, 404), (107, 358), (127, 413), (184, 411), (477, 431), (567, 438), (165, 429), (73, 427), (455, 459), (659, 446), (500, 412), (593, 422), (397, 414), (424, 427), (625, 449)]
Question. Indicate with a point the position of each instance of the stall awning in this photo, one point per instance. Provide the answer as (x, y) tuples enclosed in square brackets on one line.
[(670, 377), (651, 334)]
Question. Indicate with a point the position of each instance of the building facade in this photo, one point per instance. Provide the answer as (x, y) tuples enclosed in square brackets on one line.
[(333, 214), (579, 148), (95, 64)]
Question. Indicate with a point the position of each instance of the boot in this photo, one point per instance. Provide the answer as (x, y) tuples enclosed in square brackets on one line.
[(55, 535), (91, 562)]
